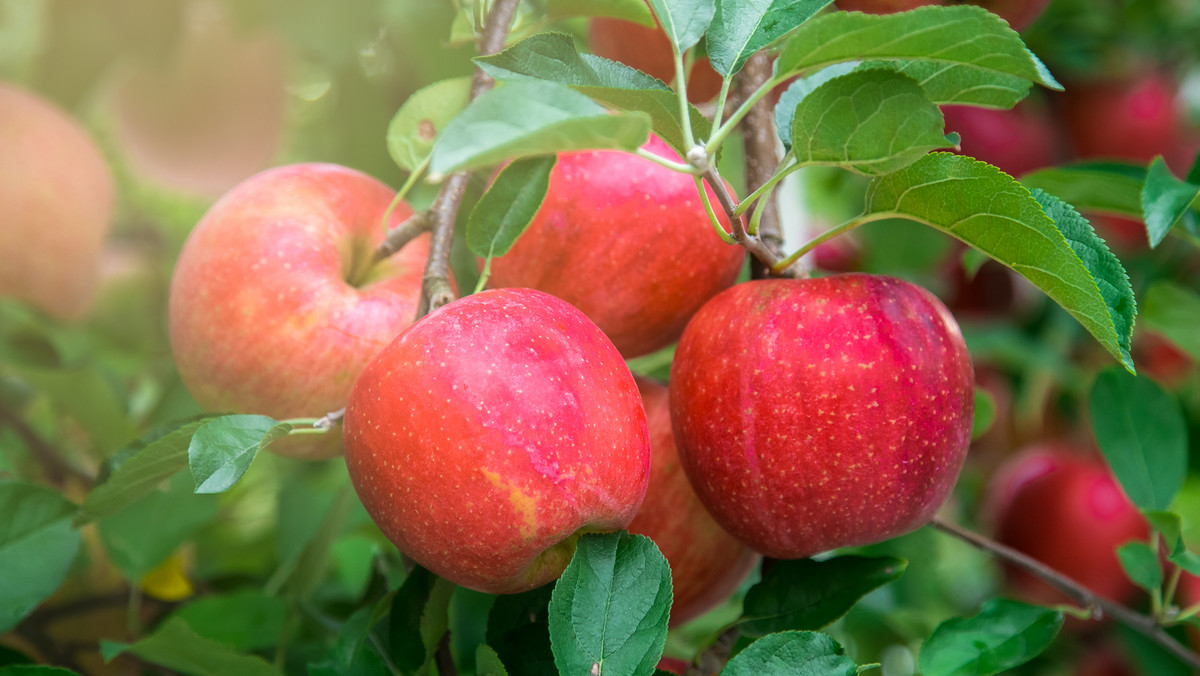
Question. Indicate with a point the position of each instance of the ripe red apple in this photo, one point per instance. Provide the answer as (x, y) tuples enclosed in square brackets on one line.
[(649, 50), (628, 242), (1018, 13), (271, 308), (56, 202), (707, 564), (1133, 117), (1060, 504), (211, 115), (822, 413), (1186, 596), (673, 665), (487, 436), (1017, 141)]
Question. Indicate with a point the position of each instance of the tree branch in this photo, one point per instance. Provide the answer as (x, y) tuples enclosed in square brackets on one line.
[(716, 656), (436, 289), (56, 466), (1143, 624), (762, 154), (444, 659), (412, 227)]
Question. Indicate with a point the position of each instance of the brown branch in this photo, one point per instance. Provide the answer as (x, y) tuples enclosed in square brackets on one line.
[(753, 244), (444, 659), (716, 656), (1098, 605), (412, 227), (52, 461), (762, 153)]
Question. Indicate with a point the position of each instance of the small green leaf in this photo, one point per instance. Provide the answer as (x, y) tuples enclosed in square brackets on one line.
[(785, 110), (552, 57), (518, 629), (985, 413), (1172, 310), (246, 619), (808, 594), (142, 534), (487, 662), (174, 645), (1141, 564), (1003, 635), (1143, 435), (1111, 187), (792, 653), (871, 122), (608, 613), (1171, 527), (508, 206), (630, 10), (742, 27), (1038, 236), (418, 619), (1165, 200), (932, 34), (155, 458), (222, 449), (960, 84), (524, 119), (37, 547), (423, 116), (684, 21)]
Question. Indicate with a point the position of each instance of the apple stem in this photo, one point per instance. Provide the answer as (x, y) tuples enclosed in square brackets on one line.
[(1098, 605), (762, 157), (759, 248), (402, 234)]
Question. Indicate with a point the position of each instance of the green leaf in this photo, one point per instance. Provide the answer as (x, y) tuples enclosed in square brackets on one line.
[(1143, 435), (139, 536), (684, 21), (415, 127), (808, 594), (245, 619), (792, 653), (487, 662), (37, 547), (1002, 635), (609, 610), (960, 84), (871, 122), (1093, 186), (518, 629), (1141, 564), (1172, 310), (552, 57), (88, 397), (34, 670), (524, 119), (630, 10), (1038, 236), (742, 27), (1171, 527), (785, 110), (1165, 200), (963, 36), (174, 645), (418, 619), (158, 457), (222, 449), (985, 413), (508, 206)]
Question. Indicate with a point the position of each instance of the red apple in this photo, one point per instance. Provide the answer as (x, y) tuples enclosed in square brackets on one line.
[(271, 309), (628, 242), (1103, 660), (1187, 596), (1060, 505), (489, 435), (1018, 13), (707, 564), (1134, 117), (1161, 359), (822, 413), (1017, 141), (56, 203), (211, 115), (649, 50), (673, 665)]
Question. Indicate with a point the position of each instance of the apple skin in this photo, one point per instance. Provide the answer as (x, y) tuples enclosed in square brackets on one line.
[(822, 413), (628, 242), (649, 50), (707, 564), (1018, 13), (491, 433), (1186, 596), (1059, 503), (1134, 117), (673, 665), (1017, 141), (262, 319), (56, 205)]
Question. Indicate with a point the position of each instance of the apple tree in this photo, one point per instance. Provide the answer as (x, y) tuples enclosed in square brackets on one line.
[(702, 336)]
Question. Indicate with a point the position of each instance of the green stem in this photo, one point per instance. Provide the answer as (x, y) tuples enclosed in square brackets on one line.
[(300, 422), (685, 119), (721, 100), (1189, 612), (724, 130), (484, 274), (781, 173), (759, 209), (1168, 596), (133, 611), (712, 215), (404, 190), (675, 166), (307, 430), (849, 225)]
